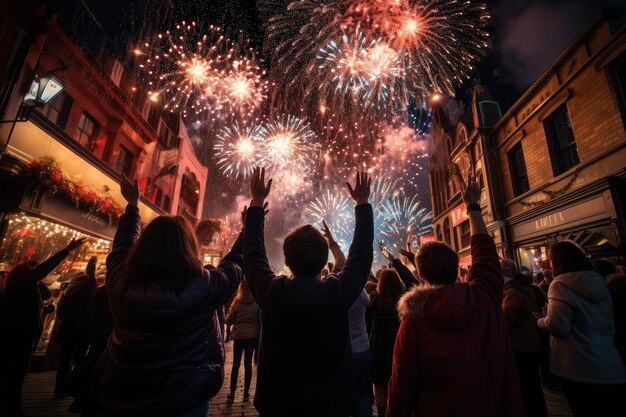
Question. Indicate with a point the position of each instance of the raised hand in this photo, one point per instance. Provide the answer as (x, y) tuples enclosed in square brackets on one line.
[(385, 252), (91, 266), (471, 190), (75, 243), (130, 190), (361, 191), (327, 234), (258, 187)]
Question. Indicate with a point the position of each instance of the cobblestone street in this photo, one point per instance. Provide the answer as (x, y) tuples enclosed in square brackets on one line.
[(39, 401)]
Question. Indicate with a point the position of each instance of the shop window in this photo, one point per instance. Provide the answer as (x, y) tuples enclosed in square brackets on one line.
[(87, 131), (517, 169), (446, 230), (465, 234), (124, 161), (619, 74), (58, 109), (561, 142)]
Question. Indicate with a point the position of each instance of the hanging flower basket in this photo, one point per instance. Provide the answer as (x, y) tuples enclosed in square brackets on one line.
[(46, 174)]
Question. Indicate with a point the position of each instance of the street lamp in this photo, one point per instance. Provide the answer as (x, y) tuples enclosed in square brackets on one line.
[(41, 92), (44, 90)]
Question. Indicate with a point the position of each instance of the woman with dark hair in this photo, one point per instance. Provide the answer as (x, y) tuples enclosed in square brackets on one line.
[(245, 317), (21, 322), (165, 356), (385, 324), (580, 322)]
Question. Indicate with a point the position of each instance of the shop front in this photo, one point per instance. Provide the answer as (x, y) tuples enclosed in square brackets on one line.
[(67, 194), (590, 222)]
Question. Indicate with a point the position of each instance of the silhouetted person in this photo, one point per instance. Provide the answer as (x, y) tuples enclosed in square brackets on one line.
[(21, 322), (305, 360), (518, 305), (579, 320), (452, 355), (165, 356), (73, 312), (617, 287), (245, 318), (385, 324)]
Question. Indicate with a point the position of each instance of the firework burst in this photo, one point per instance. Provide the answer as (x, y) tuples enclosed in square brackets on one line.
[(335, 208), (428, 45), (289, 141), (402, 218), (201, 74), (239, 149)]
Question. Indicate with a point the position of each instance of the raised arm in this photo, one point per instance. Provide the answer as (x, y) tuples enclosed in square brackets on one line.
[(360, 256), (44, 268), (485, 271), (259, 275), (404, 273), (128, 230), (335, 249), (225, 279)]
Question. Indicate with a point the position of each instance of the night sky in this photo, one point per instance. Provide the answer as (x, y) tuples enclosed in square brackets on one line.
[(526, 36)]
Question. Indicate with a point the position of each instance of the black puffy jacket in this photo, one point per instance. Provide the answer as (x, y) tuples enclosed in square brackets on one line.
[(165, 355)]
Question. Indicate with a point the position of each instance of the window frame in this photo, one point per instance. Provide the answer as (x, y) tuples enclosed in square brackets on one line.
[(554, 139), (518, 173), (91, 142), (123, 150)]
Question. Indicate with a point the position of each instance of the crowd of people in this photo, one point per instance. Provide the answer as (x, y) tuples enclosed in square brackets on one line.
[(419, 337)]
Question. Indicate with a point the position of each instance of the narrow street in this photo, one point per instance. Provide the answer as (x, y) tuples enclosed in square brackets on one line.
[(39, 401)]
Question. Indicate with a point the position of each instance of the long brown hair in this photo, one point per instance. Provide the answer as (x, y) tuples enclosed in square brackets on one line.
[(166, 254), (566, 256), (389, 285), (243, 293)]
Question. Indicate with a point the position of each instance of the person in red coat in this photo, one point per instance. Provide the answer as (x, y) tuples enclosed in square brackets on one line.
[(453, 356)]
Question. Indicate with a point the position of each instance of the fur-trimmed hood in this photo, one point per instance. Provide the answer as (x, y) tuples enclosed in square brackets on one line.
[(440, 305)]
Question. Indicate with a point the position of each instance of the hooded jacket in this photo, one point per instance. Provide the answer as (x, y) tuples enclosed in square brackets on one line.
[(453, 355), (165, 355), (245, 316), (580, 323)]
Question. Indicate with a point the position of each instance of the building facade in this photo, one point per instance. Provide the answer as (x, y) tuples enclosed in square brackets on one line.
[(562, 150), (554, 166), (61, 162), (464, 143)]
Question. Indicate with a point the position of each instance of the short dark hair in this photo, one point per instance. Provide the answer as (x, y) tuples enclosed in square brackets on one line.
[(437, 263), (306, 251), (604, 267), (566, 256)]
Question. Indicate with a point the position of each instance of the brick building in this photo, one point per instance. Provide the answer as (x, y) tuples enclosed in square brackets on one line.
[(61, 161), (562, 150), (464, 142), (553, 166)]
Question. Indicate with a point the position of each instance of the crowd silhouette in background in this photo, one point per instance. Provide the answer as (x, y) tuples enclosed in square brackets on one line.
[(416, 338)]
